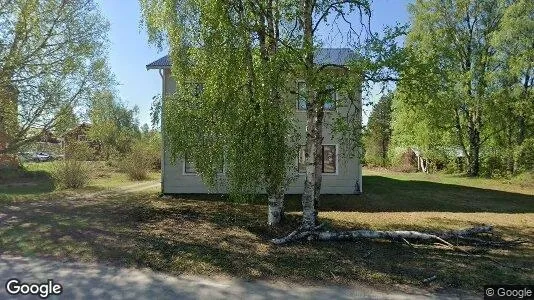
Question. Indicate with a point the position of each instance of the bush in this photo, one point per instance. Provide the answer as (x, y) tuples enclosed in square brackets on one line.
[(493, 166), (70, 174), (405, 162), (525, 155), (138, 163), (79, 151)]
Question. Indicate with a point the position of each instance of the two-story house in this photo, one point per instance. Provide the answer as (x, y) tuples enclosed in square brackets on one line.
[(342, 174)]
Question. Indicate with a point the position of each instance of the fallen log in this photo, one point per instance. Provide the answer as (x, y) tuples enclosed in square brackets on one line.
[(314, 234)]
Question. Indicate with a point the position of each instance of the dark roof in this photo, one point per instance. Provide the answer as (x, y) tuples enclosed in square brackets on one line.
[(323, 56)]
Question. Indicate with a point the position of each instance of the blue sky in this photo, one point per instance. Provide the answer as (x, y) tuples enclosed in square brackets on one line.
[(129, 50)]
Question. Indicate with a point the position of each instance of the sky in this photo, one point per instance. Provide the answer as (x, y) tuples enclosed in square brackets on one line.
[(130, 52)]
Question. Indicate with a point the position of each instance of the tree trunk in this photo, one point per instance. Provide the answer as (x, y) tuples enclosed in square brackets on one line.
[(474, 149), (313, 155), (318, 161), (8, 113), (276, 207), (314, 116), (315, 234)]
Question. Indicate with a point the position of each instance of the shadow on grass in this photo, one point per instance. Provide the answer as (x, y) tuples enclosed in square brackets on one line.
[(211, 238), (24, 182), (385, 194)]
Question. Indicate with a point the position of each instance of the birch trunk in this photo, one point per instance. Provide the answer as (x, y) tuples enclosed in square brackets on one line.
[(276, 207), (313, 155), (314, 234), (274, 168), (8, 112), (314, 119)]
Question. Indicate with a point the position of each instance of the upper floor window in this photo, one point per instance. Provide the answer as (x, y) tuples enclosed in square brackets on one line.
[(302, 96), (195, 88), (330, 102)]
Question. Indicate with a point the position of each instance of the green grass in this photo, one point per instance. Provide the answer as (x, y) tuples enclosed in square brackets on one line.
[(36, 179), (205, 236)]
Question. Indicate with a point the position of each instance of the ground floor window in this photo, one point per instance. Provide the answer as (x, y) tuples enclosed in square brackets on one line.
[(329, 159), (189, 166)]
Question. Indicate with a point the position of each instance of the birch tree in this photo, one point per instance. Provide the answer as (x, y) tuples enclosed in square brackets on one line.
[(51, 57), (452, 41), (230, 68)]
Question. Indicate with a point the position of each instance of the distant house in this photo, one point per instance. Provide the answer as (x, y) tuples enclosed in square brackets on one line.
[(341, 174), (77, 134), (80, 134)]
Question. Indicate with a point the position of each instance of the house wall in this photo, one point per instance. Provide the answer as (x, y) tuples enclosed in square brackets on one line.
[(347, 180)]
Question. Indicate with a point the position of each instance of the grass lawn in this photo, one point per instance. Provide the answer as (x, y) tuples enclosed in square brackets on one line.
[(36, 179), (204, 235)]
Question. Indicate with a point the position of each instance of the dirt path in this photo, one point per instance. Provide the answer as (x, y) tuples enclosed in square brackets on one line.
[(138, 187), (92, 281)]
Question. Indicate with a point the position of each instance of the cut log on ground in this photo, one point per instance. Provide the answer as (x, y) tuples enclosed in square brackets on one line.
[(315, 234)]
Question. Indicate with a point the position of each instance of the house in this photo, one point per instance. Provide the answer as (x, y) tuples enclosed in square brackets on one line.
[(341, 175), (78, 135)]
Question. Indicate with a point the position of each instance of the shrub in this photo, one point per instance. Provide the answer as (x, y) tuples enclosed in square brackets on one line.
[(71, 174), (79, 151), (138, 163), (525, 155), (493, 166), (405, 162)]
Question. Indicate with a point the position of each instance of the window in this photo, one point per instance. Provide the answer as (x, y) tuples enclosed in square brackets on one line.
[(189, 166), (302, 159), (329, 105), (329, 159), (330, 102), (302, 96), (196, 88)]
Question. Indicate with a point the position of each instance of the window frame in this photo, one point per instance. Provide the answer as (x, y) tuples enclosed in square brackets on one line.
[(336, 160), (322, 149), (299, 109), (184, 169), (223, 171), (298, 83)]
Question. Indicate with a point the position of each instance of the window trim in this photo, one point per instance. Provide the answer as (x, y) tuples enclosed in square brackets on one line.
[(336, 146), (222, 172), (337, 160), (298, 109), (184, 172), (299, 81)]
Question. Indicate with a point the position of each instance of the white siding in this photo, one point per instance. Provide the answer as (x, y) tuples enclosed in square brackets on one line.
[(348, 179)]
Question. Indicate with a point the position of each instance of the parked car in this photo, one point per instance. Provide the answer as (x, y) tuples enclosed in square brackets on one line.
[(41, 156)]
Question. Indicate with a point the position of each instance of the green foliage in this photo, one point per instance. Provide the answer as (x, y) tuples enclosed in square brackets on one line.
[(467, 85), (378, 135), (493, 166), (79, 150), (66, 120), (112, 124), (525, 155), (229, 107), (138, 163), (70, 174), (53, 58)]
